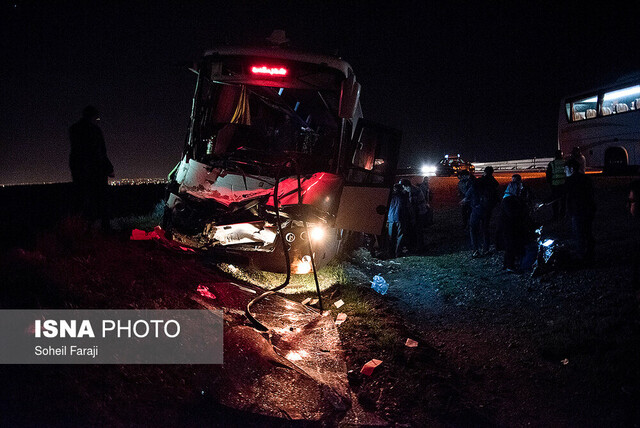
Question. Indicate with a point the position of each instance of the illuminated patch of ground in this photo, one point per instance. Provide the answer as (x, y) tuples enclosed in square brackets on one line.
[(298, 284)]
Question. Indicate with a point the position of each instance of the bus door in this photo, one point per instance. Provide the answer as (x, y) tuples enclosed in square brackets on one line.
[(370, 172)]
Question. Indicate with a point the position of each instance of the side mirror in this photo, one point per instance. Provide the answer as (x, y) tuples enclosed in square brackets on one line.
[(349, 97)]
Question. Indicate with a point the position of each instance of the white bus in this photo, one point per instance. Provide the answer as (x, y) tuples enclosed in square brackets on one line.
[(605, 124), (268, 121)]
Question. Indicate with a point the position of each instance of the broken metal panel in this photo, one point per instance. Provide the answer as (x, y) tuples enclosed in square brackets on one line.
[(321, 190), (242, 233)]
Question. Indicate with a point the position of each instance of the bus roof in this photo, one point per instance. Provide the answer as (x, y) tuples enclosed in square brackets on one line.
[(275, 52)]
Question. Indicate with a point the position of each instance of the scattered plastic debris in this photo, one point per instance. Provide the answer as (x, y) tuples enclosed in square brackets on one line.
[(141, 235), (379, 284), (307, 300), (326, 313), (314, 302), (565, 361), (410, 343), (368, 368), (339, 303), (342, 317), (204, 291)]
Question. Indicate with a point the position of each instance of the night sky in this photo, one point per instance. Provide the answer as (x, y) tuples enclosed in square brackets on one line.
[(482, 79)]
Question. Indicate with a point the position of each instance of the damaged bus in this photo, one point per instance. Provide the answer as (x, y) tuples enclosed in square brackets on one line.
[(278, 162)]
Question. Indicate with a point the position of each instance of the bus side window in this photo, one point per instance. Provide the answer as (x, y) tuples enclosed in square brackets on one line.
[(636, 104), (606, 111), (591, 113), (578, 115)]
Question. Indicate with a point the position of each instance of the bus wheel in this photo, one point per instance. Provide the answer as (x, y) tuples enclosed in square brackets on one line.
[(616, 161)]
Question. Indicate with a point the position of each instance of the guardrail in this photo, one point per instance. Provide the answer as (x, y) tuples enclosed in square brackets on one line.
[(516, 165)]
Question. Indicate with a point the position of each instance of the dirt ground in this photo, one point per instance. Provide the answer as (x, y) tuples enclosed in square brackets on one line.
[(503, 349), (494, 348)]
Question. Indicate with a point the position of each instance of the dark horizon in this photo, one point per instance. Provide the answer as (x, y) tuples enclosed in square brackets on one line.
[(478, 79)]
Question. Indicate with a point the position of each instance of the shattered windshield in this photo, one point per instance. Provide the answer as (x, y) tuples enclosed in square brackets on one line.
[(296, 115)]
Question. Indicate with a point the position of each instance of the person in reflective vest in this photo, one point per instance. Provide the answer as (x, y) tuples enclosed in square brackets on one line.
[(556, 178)]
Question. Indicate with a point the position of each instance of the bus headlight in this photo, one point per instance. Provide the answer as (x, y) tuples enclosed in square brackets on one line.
[(302, 266), (317, 233)]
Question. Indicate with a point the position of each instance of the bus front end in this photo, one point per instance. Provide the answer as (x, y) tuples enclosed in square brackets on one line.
[(263, 123)]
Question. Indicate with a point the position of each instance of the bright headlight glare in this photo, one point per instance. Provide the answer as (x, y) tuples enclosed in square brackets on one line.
[(428, 169), (317, 233), (303, 266)]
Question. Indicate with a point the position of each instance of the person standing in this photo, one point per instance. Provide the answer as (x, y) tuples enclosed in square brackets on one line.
[(489, 197), (556, 178), (577, 155), (581, 208), (90, 168), (397, 220), (417, 214), (428, 197), (465, 180), (513, 224), (474, 199)]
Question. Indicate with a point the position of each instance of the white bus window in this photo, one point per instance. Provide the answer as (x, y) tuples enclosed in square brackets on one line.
[(584, 108), (621, 100)]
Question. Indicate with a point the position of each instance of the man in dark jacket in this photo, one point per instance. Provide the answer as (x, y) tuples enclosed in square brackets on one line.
[(514, 224), (581, 208), (474, 199), (465, 180), (417, 214), (397, 220), (90, 167), (556, 177), (489, 198)]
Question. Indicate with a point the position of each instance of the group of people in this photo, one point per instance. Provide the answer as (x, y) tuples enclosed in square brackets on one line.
[(409, 215), (572, 195), (480, 197)]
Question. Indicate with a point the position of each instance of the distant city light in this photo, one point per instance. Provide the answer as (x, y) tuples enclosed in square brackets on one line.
[(136, 181)]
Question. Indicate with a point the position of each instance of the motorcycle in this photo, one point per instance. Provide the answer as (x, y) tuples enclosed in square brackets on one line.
[(551, 253)]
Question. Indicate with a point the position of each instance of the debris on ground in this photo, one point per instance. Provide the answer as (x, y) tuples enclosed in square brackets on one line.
[(342, 317), (370, 366), (379, 285), (410, 343)]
